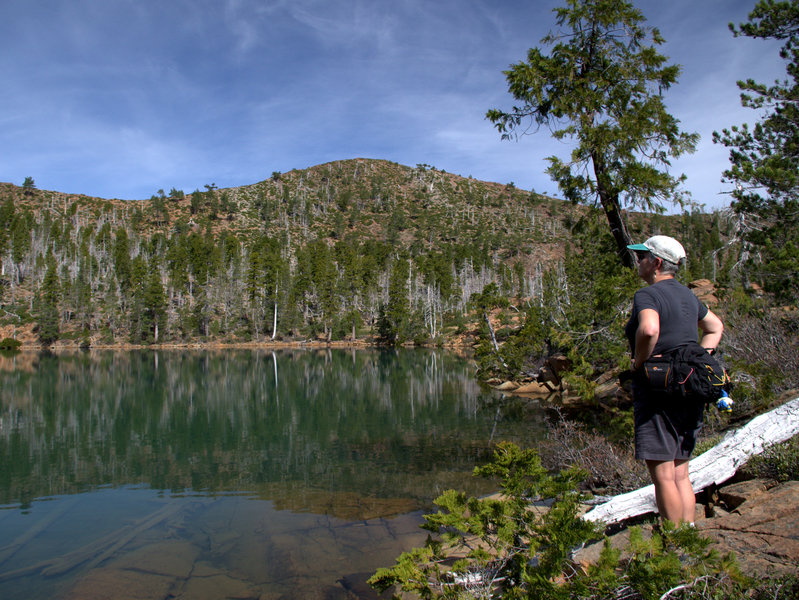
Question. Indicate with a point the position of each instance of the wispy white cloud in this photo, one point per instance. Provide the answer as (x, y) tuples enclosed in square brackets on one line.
[(337, 24), (244, 20)]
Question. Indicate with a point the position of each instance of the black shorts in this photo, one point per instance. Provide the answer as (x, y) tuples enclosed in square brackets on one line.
[(666, 427)]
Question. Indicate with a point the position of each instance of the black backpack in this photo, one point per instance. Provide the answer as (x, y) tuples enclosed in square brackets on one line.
[(689, 371)]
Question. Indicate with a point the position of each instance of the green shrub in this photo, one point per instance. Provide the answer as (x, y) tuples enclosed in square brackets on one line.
[(507, 547), (9, 344), (706, 443), (779, 588), (567, 316), (779, 462)]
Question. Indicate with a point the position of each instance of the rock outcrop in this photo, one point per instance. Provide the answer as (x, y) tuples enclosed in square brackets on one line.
[(762, 531), (705, 291), (757, 520)]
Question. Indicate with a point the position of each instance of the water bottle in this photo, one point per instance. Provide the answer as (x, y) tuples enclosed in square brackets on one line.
[(724, 404)]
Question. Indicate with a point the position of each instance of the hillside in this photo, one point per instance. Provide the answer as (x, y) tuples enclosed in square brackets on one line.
[(349, 250)]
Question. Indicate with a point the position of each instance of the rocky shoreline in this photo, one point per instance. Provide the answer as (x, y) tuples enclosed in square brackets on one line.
[(757, 519)]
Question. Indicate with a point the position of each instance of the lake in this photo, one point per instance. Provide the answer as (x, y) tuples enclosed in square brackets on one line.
[(235, 473)]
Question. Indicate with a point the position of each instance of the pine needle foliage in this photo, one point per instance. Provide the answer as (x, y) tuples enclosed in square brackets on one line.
[(764, 159), (579, 312), (515, 546), (599, 85)]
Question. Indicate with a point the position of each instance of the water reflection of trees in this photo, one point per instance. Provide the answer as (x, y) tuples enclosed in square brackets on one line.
[(379, 423)]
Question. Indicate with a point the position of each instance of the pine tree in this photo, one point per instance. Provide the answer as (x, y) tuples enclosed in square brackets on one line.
[(48, 307), (153, 308), (393, 322), (28, 185), (122, 262), (21, 242), (765, 159), (262, 282), (601, 85), (6, 220)]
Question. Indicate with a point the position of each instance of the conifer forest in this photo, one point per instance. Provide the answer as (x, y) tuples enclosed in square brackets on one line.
[(350, 250)]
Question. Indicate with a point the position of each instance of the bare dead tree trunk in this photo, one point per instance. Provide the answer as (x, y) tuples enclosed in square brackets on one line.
[(274, 318), (494, 339)]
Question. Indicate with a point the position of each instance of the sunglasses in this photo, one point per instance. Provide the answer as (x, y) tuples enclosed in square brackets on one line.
[(642, 255)]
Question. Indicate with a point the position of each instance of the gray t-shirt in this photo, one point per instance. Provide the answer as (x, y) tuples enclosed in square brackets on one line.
[(679, 311)]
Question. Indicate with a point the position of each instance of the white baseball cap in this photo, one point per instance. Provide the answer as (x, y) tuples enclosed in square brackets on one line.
[(662, 246)]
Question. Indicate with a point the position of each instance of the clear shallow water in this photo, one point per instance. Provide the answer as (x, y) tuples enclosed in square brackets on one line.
[(245, 474)]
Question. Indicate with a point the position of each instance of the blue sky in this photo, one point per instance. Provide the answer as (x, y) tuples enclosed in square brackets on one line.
[(119, 98)]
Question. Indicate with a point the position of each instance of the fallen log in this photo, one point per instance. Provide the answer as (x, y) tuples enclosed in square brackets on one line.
[(715, 466)]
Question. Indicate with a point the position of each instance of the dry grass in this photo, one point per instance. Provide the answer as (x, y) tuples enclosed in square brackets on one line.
[(769, 339), (612, 468)]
